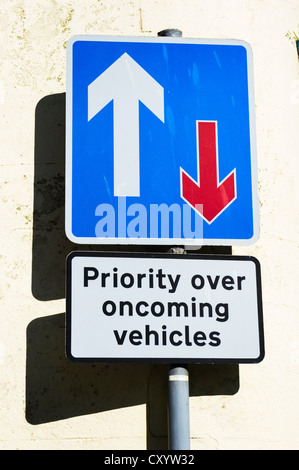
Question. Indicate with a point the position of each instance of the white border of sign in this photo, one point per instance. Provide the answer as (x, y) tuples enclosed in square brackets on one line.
[(157, 241), (88, 328)]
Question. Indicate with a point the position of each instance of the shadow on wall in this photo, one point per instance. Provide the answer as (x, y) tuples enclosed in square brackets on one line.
[(50, 246), (56, 388)]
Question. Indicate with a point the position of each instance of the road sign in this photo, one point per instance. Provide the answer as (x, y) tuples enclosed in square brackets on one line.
[(160, 145), (182, 308)]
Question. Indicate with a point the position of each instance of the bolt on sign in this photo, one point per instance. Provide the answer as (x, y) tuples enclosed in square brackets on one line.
[(160, 307), (160, 141)]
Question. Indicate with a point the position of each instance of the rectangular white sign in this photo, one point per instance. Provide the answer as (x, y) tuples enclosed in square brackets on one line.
[(126, 307)]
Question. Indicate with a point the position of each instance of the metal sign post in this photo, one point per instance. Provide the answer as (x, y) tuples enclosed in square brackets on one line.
[(178, 408), (178, 399), (205, 308), (178, 376)]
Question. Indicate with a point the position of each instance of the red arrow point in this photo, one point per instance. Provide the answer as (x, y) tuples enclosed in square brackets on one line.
[(207, 196)]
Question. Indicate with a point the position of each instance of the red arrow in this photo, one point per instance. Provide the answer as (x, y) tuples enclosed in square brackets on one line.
[(207, 196)]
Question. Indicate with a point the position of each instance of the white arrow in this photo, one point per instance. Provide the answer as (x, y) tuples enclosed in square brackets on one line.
[(126, 83)]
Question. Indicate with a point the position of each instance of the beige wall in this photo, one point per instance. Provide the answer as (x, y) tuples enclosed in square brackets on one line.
[(47, 402)]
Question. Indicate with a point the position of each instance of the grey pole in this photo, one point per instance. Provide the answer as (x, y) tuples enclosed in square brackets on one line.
[(170, 32), (178, 375), (178, 401), (178, 408)]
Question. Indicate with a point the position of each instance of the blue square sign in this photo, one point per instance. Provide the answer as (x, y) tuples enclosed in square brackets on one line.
[(160, 142)]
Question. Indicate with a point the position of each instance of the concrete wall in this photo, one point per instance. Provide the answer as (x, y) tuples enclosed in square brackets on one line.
[(46, 402)]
